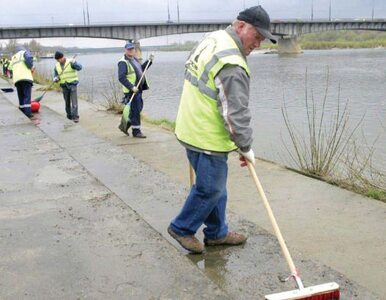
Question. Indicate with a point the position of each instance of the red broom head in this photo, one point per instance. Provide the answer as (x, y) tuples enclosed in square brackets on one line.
[(332, 295), (327, 291)]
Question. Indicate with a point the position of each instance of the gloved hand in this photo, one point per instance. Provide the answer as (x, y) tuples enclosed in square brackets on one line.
[(134, 90), (151, 57), (56, 79), (250, 156)]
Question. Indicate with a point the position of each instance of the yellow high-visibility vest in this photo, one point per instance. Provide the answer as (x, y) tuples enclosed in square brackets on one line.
[(199, 122), (19, 68), (131, 76), (67, 74)]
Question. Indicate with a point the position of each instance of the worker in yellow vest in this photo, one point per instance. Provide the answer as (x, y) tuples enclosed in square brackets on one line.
[(2, 63), (130, 71), (67, 76), (22, 68), (6, 71), (214, 119)]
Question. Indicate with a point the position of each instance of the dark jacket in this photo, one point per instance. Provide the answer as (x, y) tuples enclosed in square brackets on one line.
[(122, 72), (74, 65)]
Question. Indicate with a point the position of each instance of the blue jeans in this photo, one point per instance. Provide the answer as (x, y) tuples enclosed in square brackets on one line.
[(206, 202), (71, 100)]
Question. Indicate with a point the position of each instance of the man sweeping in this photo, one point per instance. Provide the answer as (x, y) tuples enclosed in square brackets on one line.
[(130, 72), (214, 119), (67, 75), (22, 68)]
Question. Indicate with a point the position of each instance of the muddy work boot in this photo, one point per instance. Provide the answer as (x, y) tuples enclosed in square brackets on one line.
[(138, 134), (231, 239), (189, 242), (35, 120)]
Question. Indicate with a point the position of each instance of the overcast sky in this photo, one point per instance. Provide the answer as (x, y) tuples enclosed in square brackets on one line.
[(46, 12)]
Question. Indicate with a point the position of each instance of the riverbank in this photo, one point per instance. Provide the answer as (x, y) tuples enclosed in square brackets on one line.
[(357, 182), (352, 39), (339, 228), (304, 45)]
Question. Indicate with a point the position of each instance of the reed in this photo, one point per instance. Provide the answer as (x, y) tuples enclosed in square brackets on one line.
[(328, 147)]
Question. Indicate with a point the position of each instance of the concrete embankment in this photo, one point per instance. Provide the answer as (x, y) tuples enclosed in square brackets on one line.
[(150, 178), (64, 235)]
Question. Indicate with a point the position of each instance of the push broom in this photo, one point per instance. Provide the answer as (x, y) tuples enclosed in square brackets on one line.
[(327, 291)]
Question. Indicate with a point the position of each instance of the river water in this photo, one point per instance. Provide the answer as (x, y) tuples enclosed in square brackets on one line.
[(357, 76)]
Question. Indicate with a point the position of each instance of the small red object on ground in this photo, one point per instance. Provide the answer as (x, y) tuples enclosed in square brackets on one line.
[(35, 106)]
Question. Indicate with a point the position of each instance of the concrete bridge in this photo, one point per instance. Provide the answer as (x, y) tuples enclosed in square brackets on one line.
[(287, 30)]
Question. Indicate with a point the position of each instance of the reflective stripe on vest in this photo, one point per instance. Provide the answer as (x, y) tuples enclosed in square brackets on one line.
[(19, 68), (199, 122), (66, 74), (131, 76)]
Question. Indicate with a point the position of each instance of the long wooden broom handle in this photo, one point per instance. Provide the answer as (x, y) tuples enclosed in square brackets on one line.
[(279, 236), (191, 175), (140, 80)]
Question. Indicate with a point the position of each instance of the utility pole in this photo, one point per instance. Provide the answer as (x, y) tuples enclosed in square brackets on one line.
[(329, 12), (168, 13), (178, 11), (312, 10), (372, 12), (88, 14), (84, 13)]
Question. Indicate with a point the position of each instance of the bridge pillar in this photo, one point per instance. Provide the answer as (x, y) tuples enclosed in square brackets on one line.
[(289, 45), (138, 52)]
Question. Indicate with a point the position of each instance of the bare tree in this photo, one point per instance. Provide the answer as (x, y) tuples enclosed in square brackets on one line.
[(11, 47), (35, 48)]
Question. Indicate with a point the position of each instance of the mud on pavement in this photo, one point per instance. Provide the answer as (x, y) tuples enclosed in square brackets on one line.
[(63, 235), (247, 272)]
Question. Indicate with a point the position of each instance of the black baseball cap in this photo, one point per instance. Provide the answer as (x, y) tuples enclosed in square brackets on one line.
[(58, 55), (258, 17)]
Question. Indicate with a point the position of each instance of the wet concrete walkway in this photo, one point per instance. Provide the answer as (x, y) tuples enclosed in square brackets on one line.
[(246, 272), (64, 235), (339, 228)]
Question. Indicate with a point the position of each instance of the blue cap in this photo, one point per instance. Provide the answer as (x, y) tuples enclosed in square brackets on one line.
[(19, 48), (129, 45)]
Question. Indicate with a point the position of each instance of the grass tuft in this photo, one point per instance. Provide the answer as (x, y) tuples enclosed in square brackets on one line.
[(328, 149)]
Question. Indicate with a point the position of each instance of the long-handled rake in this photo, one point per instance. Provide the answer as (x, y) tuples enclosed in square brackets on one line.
[(327, 291)]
